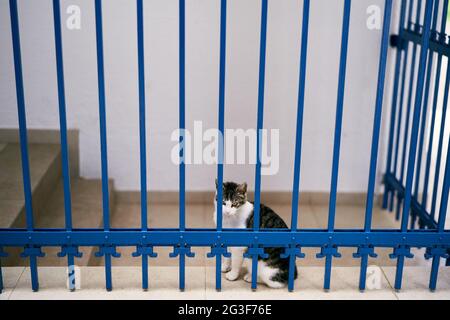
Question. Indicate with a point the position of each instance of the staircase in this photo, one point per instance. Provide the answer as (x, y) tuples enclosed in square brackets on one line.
[(48, 198)]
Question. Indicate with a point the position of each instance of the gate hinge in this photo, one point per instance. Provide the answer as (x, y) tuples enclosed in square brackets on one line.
[(396, 42)]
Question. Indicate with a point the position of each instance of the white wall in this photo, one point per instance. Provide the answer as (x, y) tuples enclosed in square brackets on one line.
[(202, 52)]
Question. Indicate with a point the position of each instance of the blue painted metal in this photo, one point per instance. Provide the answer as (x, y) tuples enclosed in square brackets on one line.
[(204, 237), (337, 137), (102, 113), (424, 112), (398, 60), (62, 114), (376, 134), (419, 207), (103, 144), (440, 142), (215, 252), (436, 45), (413, 143), (409, 105), (259, 126), (416, 207), (23, 132), (441, 252), (299, 138), (63, 132), (424, 119), (399, 126), (182, 174), (401, 104), (365, 241), (433, 115), (142, 135)]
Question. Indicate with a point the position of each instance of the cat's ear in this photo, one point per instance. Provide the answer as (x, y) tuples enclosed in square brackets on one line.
[(242, 187)]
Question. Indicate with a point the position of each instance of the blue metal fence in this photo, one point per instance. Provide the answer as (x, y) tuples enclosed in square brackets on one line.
[(420, 33), (403, 175)]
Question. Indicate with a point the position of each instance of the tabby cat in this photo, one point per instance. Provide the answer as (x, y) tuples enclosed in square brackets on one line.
[(237, 213)]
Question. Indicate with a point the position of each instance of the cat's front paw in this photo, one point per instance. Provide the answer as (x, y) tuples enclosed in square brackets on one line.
[(225, 268), (248, 278), (232, 275)]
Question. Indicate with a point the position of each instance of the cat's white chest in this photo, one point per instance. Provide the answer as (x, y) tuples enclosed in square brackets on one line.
[(238, 220)]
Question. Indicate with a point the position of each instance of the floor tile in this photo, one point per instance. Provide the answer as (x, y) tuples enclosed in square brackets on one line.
[(351, 217), (415, 283), (163, 284), (11, 276), (344, 285)]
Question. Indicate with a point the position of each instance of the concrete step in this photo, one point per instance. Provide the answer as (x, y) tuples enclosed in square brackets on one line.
[(45, 170), (87, 212)]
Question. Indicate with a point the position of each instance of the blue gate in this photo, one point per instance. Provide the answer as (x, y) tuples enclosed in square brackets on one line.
[(401, 186)]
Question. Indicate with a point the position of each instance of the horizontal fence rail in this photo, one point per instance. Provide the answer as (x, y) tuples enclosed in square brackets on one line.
[(421, 34)]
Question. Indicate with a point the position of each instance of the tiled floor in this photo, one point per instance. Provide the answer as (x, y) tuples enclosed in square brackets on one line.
[(200, 285)]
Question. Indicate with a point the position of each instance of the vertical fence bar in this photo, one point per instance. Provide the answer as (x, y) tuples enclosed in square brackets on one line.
[(103, 134), (425, 109), (398, 60), (142, 133), (63, 133), (433, 114), (182, 175), (259, 126), (424, 119), (442, 218), (337, 134), (440, 142), (221, 125), (23, 133), (376, 134), (62, 115), (415, 126), (409, 105), (299, 133), (400, 115)]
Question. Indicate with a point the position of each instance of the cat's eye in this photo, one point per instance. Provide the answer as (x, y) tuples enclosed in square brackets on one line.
[(224, 203)]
